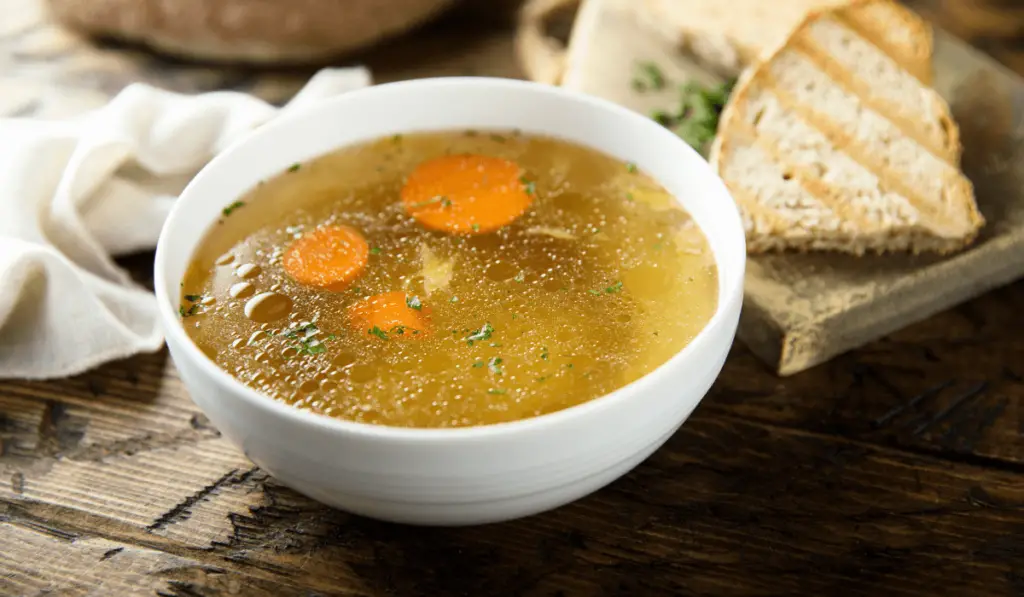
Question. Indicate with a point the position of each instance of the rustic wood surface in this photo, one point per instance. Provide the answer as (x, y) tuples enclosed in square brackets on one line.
[(894, 470)]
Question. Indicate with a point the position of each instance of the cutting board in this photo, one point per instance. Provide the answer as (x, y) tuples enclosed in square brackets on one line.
[(801, 310)]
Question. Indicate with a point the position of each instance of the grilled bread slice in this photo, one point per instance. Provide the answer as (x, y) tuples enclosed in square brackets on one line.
[(733, 34), (831, 144)]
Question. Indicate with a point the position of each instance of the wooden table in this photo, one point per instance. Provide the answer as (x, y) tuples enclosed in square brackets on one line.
[(894, 470)]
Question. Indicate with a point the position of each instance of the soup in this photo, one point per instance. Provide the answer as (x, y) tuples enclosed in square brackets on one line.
[(449, 279)]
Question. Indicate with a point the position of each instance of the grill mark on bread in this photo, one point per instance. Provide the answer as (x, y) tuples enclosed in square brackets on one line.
[(843, 144), (890, 158), (874, 21), (816, 161), (936, 138)]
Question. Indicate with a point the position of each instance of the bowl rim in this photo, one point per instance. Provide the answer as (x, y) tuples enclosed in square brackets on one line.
[(175, 332)]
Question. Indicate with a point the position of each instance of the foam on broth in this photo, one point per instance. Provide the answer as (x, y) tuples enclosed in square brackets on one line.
[(603, 279)]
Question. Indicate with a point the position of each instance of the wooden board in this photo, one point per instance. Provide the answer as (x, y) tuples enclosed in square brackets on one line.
[(801, 310), (895, 469)]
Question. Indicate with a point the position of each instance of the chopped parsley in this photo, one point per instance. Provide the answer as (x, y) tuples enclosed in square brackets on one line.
[(476, 227), (494, 365), (541, 379), (630, 167), (454, 299), (484, 333), (497, 391), (396, 139), (413, 302), (695, 117), (376, 331), (190, 311), (193, 298), (478, 364), (375, 251), (294, 167), (520, 277), (227, 210), (305, 340), (647, 75), (629, 196), (616, 287), (529, 186), (544, 353)]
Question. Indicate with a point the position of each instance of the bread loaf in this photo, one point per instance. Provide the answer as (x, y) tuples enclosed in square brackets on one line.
[(831, 143), (251, 31)]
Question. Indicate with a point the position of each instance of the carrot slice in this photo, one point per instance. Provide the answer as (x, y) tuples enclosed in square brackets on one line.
[(330, 257), (389, 316), (466, 194)]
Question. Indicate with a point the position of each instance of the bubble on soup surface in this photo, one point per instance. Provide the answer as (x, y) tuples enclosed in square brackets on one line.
[(247, 270), (241, 290), (267, 306)]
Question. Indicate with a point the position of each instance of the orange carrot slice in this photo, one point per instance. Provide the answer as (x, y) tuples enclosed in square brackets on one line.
[(391, 315), (466, 194), (330, 257)]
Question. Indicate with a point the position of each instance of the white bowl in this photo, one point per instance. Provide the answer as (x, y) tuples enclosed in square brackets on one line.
[(476, 474)]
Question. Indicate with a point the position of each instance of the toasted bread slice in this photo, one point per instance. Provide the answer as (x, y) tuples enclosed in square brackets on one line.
[(831, 144), (733, 34)]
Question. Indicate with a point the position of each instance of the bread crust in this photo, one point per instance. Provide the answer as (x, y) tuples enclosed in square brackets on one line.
[(249, 31)]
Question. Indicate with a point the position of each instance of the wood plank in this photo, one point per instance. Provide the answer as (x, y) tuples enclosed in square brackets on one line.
[(58, 562)]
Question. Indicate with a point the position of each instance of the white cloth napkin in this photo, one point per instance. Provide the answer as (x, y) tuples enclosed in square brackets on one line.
[(76, 193)]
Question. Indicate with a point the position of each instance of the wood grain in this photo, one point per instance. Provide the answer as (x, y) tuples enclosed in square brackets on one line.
[(897, 469)]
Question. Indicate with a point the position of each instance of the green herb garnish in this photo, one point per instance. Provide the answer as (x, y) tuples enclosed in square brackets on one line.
[(305, 341), (630, 167), (193, 298), (494, 365), (413, 302), (190, 311), (376, 331), (594, 292), (498, 138), (484, 333), (529, 186), (294, 167), (227, 210), (396, 139), (476, 227), (520, 277), (497, 391), (648, 75), (614, 288), (544, 353), (695, 118), (375, 251), (454, 299), (478, 364)]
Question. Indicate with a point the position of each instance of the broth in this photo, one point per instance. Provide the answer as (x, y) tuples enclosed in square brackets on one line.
[(599, 281)]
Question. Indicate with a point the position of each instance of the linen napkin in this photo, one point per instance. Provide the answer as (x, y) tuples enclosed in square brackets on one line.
[(76, 193)]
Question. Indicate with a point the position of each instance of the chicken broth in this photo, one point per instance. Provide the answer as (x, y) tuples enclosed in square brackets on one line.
[(449, 279)]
